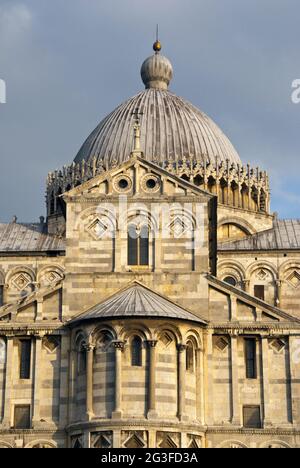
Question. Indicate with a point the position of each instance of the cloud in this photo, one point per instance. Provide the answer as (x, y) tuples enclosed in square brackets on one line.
[(15, 20), (68, 63)]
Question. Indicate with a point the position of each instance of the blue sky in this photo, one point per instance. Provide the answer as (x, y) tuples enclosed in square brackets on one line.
[(68, 63)]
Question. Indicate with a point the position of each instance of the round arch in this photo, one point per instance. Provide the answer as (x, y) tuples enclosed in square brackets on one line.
[(227, 268), (107, 210), (265, 265), (169, 328), (100, 329), (20, 269), (57, 269), (136, 213), (275, 444), (286, 266), (193, 335), (135, 329), (232, 444), (4, 444), (42, 443), (240, 223)]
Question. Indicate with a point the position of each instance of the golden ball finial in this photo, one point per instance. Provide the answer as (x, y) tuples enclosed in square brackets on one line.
[(157, 46)]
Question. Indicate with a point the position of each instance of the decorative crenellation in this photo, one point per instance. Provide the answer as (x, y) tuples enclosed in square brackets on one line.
[(235, 185)]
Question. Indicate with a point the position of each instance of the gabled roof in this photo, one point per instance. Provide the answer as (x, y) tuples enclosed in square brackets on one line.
[(15, 237), (285, 235), (136, 300), (87, 186)]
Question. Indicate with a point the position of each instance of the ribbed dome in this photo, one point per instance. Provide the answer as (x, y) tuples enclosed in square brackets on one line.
[(170, 128)]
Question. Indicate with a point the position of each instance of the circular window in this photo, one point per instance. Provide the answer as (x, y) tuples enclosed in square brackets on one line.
[(122, 183), (150, 183)]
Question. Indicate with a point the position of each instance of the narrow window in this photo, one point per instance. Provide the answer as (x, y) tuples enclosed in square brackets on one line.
[(52, 204), (190, 357), (81, 365), (144, 246), (136, 352), (25, 358), (132, 246), (250, 351), (252, 417), (22, 417), (138, 246), (259, 292)]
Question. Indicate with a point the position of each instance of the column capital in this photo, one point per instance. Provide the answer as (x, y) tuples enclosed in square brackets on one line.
[(152, 343), (181, 347), (118, 344), (39, 335), (89, 347)]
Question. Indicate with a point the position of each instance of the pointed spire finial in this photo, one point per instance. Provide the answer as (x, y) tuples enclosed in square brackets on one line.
[(157, 44)]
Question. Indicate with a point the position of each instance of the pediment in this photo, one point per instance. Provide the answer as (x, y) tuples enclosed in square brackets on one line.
[(136, 177)]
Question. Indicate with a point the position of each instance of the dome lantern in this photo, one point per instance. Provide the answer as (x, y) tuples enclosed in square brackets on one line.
[(157, 70)]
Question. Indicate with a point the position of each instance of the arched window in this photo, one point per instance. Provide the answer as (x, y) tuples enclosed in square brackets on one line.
[(198, 180), (230, 280), (52, 204), (190, 358), (81, 362), (136, 352), (138, 245), (60, 203)]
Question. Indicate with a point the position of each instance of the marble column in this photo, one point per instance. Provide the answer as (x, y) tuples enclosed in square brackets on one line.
[(152, 379), (37, 381), (7, 419), (278, 293), (200, 386), (294, 372), (89, 380), (208, 377), (181, 381), (119, 348), (246, 284), (72, 359), (236, 408), (266, 381), (239, 200)]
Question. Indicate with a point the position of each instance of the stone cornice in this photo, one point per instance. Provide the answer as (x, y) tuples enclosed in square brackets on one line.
[(108, 424), (243, 431), (283, 328), (12, 329)]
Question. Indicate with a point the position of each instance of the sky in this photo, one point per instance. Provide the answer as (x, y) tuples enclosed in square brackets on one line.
[(68, 63)]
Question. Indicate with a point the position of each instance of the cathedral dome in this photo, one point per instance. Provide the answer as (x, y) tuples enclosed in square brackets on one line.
[(171, 127)]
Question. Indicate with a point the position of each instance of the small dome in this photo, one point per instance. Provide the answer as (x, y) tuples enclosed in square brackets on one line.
[(157, 70)]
